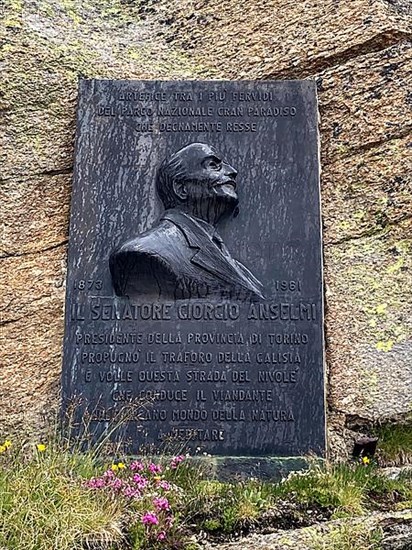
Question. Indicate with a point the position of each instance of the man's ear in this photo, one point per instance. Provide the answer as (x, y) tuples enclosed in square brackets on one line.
[(180, 190)]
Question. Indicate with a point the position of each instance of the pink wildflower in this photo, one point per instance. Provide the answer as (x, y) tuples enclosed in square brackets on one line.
[(137, 466), (140, 481), (150, 519), (130, 492), (176, 461), (161, 535), (165, 485), (161, 503), (116, 484), (95, 483), (154, 468)]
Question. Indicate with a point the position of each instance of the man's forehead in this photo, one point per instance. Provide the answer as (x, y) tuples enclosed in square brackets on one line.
[(198, 151), (210, 152)]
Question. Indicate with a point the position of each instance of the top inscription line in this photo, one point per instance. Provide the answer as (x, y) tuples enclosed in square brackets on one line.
[(212, 95)]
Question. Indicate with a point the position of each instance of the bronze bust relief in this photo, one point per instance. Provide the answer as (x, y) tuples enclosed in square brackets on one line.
[(183, 256)]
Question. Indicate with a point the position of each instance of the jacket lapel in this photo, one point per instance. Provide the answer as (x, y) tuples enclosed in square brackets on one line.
[(208, 256)]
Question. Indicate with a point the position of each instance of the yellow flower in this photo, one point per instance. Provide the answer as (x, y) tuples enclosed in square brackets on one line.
[(114, 467), (41, 447), (365, 460), (3, 448), (121, 466), (157, 478), (7, 443)]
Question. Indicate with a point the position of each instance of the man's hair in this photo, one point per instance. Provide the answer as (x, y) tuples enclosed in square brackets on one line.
[(171, 170)]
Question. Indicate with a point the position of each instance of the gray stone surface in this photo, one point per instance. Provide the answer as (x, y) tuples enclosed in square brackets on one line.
[(210, 328), (390, 531)]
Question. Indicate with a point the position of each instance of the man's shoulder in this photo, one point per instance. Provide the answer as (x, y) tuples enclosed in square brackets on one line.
[(154, 242), (151, 259)]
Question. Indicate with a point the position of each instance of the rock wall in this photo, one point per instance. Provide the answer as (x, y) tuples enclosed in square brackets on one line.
[(360, 55)]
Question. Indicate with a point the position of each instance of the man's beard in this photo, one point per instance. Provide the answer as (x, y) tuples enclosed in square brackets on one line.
[(228, 204), (213, 205)]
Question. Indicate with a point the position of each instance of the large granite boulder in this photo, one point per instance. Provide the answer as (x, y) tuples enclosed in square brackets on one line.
[(360, 55)]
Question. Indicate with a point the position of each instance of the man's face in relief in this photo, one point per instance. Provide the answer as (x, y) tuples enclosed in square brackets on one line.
[(210, 182)]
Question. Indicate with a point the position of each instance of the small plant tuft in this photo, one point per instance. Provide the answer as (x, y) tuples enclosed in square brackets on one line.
[(395, 442), (348, 537)]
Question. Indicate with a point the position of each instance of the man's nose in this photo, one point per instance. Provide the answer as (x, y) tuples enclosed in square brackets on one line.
[(230, 171)]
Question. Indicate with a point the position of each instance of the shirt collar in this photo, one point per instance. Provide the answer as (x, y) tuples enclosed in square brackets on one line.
[(209, 229)]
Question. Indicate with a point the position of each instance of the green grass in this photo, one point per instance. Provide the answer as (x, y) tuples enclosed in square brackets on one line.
[(339, 490), (395, 442), (348, 537), (345, 489), (45, 504)]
